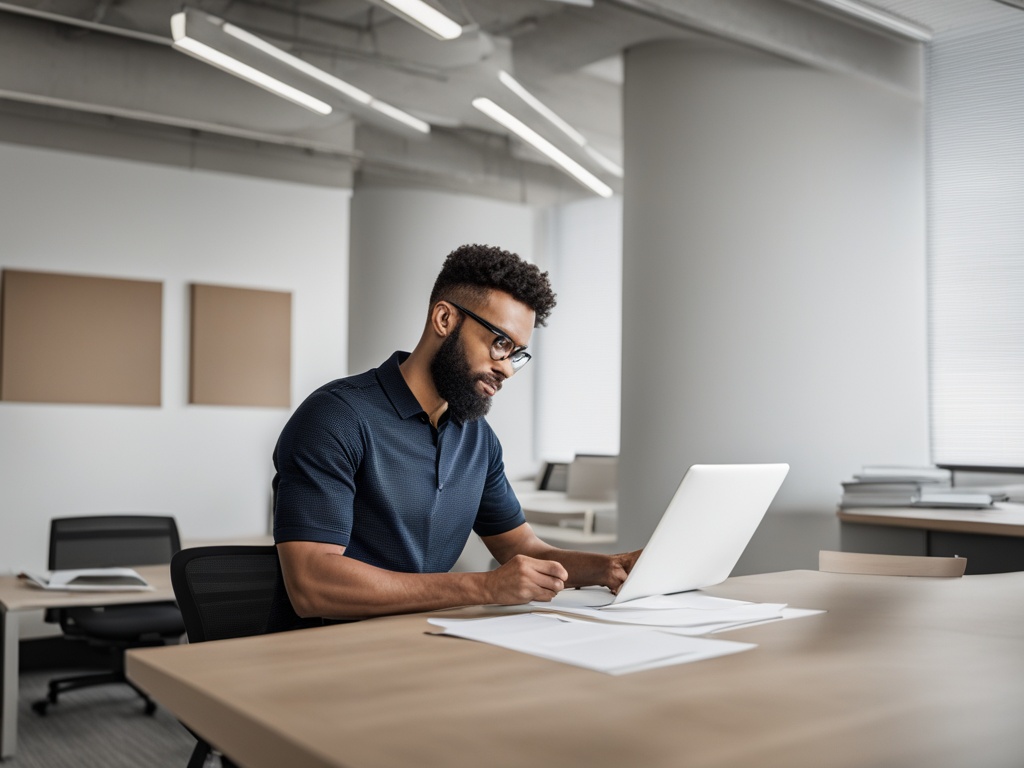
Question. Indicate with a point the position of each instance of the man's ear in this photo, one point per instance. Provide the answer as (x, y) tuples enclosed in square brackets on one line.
[(443, 318)]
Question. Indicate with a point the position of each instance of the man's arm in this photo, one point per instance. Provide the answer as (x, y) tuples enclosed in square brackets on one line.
[(322, 582), (584, 568)]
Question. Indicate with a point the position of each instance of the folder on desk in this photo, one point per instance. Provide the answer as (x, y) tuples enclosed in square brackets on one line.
[(89, 580)]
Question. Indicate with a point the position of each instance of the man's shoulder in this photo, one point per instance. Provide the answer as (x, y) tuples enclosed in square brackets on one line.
[(359, 382), (349, 396)]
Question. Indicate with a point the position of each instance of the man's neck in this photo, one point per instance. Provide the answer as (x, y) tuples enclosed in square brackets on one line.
[(416, 372)]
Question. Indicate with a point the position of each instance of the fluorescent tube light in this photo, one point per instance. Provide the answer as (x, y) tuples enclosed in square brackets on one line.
[(514, 85), (543, 109), (612, 167), (193, 47), (356, 94), (527, 134), (403, 117), (425, 16), (199, 50)]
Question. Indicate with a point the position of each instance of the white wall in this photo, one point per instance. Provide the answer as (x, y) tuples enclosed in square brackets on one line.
[(774, 283), (400, 238), (579, 382), (208, 466)]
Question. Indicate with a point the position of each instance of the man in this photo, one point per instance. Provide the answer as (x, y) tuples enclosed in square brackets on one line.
[(382, 476)]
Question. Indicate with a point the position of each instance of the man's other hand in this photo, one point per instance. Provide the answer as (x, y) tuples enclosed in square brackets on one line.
[(523, 579), (619, 567)]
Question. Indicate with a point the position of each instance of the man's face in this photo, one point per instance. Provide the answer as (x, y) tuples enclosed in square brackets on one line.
[(465, 374)]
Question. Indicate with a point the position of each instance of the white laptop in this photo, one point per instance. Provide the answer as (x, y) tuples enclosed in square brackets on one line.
[(707, 525)]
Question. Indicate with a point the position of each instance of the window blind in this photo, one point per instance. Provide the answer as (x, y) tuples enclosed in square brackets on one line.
[(975, 110)]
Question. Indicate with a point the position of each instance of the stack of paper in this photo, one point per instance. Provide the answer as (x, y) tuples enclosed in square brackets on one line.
[(611, 648), (685, 613), (627, 637)]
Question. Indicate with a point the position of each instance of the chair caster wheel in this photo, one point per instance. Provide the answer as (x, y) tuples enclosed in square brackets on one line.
[(39, 707), (150, 708)]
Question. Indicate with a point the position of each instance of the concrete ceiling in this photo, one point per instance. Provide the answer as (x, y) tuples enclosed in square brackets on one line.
[(74, 70)]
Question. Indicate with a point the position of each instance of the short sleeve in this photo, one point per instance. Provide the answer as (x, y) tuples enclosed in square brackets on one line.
[(500, 510), (317, 457)]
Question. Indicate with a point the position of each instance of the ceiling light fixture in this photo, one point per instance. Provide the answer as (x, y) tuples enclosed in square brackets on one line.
[(305, 67), (534, 139), (424, 16), (203, 36), (346, 89), (540, 107), (609, 165), (544, 110), (210, 55)]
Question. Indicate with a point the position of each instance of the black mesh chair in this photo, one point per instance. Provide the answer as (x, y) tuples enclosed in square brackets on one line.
[(224, 592), (112, 541)]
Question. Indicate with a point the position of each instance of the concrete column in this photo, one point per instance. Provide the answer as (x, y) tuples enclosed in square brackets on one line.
[(773, 281)]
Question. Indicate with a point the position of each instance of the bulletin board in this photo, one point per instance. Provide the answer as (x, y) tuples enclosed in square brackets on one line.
[(241, 347), (79, 339)]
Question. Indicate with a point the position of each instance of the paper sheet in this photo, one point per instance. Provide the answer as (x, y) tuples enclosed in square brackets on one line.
[(614, 649)]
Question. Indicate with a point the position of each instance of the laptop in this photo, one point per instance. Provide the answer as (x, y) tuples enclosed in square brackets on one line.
[(700, 537)]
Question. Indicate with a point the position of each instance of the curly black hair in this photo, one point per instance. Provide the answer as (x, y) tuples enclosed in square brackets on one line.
[(473, 269)]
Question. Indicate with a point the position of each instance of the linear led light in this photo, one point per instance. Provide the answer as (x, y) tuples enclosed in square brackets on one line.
[(514, 85), (881, 18), (544, 110), (193, 47), (530, 136), (426, 17), (612, 167), (403, 117), (349, 90)]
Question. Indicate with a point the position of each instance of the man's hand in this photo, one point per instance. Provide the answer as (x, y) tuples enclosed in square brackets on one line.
[(523, 579), (619, 567)]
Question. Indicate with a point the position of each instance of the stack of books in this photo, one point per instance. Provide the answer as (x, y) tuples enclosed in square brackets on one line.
[(888, 486), (884, 486)]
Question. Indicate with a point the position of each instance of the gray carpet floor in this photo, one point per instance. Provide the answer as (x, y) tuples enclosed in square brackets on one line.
[(101, 727)]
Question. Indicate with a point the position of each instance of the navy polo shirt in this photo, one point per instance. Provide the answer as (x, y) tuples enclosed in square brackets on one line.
[(360, 465)]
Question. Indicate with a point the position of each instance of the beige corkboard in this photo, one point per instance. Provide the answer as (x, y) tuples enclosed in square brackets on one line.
[(77, 339), (241, 347)]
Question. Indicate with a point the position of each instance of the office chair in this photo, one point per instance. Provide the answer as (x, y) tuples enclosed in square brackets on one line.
[(110, 541), (224, 592)]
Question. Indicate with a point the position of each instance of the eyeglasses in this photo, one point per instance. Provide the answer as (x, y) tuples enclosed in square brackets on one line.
[(502, 348)]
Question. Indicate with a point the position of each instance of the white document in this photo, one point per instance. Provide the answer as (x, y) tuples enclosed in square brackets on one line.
[(693, 610), (90, 580), (610, 648)]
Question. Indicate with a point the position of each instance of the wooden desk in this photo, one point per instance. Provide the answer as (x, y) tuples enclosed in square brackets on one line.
[(992, 540), (17, 597), (901, 672)]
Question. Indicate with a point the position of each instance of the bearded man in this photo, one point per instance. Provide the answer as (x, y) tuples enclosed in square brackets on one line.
[(382, 476)]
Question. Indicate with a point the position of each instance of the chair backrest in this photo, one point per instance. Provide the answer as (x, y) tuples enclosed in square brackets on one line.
[(891, 565), (105, 541), (593, 477), (225, 591), (553, 476)]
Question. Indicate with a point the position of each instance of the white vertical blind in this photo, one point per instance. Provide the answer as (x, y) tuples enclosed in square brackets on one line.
[(976, 243)]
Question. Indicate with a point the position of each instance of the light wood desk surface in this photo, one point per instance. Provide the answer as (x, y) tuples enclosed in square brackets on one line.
[(17, 596), (1004, 519), (899, 672)]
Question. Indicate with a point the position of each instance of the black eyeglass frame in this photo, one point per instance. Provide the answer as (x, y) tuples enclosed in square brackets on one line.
[(518, 356)]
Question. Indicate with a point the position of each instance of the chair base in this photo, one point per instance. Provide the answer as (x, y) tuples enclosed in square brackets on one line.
[(65, 684)]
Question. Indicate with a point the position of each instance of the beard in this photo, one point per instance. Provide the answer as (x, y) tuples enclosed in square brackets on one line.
[(455, 381)]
